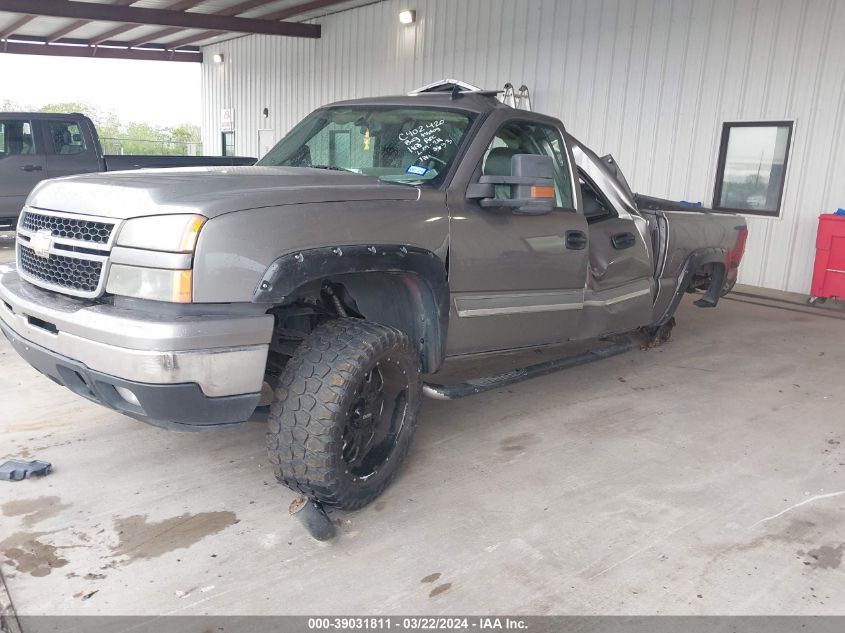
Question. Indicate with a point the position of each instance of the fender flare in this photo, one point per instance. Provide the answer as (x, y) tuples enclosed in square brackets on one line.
[(425, 275)]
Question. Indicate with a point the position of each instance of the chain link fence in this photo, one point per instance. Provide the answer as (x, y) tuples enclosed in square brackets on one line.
[(132, 146)]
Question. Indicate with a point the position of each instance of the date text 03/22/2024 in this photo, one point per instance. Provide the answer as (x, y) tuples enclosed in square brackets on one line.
[(416, 623)]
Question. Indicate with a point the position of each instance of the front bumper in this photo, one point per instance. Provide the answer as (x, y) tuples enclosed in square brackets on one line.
[(188, 370)]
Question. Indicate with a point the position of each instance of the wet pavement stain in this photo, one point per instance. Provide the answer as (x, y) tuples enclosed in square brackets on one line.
[(514, 446), (440, 589), (431, 577), (21, 453), (824, 557), (141, 539), (30, 556), (797, 531), (33, 510), (517, 443)]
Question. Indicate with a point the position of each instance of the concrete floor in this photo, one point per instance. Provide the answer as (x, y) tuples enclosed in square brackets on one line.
[(705, 476)]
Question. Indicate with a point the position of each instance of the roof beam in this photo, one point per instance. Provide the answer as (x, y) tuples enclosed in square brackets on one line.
[(56, 35), (163, 17), (290, 12), (231, 11), (72, 41), (14, 26), (19, 48), (104, 37), (299, 9)]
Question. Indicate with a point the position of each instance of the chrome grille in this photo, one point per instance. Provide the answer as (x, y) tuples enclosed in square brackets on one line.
[(74, 260), (69, 228), (72, 273)]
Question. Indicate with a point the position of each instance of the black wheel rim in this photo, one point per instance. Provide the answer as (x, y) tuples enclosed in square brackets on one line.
[(375, 419)]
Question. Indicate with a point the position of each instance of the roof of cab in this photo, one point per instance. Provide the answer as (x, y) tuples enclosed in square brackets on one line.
[(43, 115), (477, 102)]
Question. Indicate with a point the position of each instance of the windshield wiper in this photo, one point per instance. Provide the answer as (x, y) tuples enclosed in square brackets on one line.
[(401, 181), (333, 168)]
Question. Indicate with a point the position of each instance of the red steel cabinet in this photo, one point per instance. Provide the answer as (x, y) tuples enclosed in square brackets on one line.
[(829, 272)]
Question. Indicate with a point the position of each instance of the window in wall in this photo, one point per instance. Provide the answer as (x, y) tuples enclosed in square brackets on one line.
[(340, 148), (228, 143), (752, 167)]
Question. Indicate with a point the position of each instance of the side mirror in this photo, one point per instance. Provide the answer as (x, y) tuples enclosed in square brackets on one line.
[(531, 185)]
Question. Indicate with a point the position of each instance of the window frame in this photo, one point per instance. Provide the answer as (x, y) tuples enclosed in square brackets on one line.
[(724, 139), (223, 143)]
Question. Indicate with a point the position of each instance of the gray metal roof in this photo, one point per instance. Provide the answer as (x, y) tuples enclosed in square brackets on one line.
[(172, 30)]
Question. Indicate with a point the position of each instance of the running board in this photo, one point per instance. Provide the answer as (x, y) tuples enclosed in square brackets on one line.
[(479, 385)]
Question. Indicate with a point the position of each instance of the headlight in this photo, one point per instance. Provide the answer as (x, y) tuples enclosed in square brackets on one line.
[(173, 233), (155, 284)]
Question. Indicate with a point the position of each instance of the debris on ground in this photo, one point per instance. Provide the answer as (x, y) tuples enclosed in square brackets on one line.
[(313, 517), (657, 335), (18, 469)]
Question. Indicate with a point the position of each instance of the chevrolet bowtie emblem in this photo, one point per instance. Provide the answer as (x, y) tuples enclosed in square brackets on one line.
[(41, 242)]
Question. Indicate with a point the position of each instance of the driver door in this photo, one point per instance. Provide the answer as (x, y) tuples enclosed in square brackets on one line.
[(516, 280)]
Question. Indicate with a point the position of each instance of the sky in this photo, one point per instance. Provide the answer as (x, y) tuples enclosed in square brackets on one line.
[(163, 94)]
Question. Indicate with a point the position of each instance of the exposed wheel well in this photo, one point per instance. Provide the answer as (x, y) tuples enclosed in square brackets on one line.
[(401, 300), (701, 268), (705, 274)]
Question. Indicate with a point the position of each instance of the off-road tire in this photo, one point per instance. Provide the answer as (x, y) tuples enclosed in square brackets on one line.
[(311, 404)]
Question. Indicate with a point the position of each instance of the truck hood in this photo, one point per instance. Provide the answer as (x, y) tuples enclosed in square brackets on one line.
[(209, 191)]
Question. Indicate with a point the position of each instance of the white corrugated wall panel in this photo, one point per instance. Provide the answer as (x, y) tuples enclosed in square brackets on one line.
[(650, 81)]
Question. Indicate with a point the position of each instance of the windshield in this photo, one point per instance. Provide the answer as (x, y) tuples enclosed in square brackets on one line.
[(397, 144)]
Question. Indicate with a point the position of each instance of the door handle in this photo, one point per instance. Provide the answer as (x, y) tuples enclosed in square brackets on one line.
[(576, 240), (32, 168), (623, 240)]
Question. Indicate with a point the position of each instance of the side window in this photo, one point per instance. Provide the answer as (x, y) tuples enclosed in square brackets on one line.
[(16, 138), (523, 137), (66, 137)]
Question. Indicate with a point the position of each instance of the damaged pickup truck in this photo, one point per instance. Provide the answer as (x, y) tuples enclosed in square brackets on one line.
[(381, 240)]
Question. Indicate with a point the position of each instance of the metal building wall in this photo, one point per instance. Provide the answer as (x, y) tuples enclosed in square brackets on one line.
[(650, 81)]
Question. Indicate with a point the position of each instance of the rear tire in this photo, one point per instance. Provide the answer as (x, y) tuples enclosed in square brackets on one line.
[(344, 412)]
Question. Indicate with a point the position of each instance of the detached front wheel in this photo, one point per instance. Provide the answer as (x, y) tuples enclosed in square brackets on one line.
[(344, 412)]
